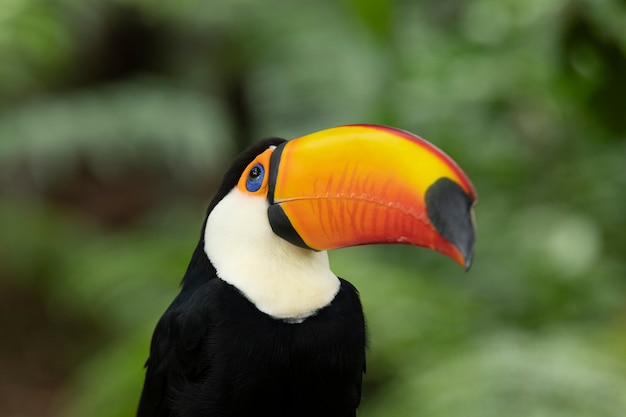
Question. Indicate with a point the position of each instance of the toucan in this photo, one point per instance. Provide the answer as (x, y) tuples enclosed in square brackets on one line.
[(262, 326)]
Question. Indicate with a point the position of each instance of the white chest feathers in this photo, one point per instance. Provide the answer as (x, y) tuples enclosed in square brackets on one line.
[(281, 279)]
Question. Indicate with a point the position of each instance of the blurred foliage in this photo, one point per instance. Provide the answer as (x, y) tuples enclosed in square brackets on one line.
[(117, 118)]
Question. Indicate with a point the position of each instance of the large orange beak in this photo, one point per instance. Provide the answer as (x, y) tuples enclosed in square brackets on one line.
[(361, 184)]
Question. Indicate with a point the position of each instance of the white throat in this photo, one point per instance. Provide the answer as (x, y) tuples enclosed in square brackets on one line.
[(281, 279)]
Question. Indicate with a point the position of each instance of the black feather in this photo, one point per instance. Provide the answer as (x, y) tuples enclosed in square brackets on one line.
[(213, 353)]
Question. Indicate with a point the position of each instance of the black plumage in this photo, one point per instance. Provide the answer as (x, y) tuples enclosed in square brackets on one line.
[(213, 353)]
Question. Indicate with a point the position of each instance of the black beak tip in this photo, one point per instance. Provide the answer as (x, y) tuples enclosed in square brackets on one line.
[(469, 258), (449, 209)]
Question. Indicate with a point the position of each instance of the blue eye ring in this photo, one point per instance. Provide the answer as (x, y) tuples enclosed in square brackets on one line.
[(255, 178)]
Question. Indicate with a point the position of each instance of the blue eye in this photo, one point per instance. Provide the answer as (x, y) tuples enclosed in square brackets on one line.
[(255, 178)]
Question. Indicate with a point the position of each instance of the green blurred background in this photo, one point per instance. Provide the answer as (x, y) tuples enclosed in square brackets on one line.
[(118, 117)]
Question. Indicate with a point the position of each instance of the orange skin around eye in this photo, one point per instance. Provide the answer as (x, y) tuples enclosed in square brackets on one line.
[(263, 159)]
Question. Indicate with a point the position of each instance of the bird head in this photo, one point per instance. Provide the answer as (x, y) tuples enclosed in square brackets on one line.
[(345, 186)]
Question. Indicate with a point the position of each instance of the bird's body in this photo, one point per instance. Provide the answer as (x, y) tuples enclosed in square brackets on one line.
[(262, 326), (215, 354)]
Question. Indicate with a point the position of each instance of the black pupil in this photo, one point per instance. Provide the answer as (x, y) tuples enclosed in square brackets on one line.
[(255, 173)]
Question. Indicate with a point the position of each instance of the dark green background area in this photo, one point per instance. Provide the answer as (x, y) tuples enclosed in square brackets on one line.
[(117, 119)]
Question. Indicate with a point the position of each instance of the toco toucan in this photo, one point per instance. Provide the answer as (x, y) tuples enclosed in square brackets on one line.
[(262, 326)]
